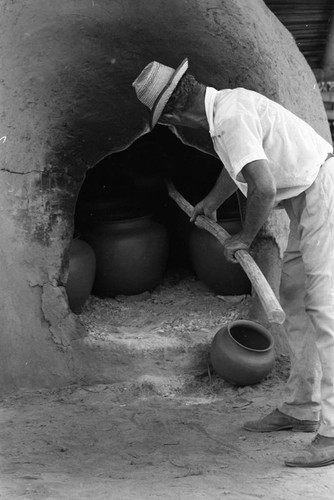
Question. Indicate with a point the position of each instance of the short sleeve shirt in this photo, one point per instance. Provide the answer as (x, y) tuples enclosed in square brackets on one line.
[(246, 126)]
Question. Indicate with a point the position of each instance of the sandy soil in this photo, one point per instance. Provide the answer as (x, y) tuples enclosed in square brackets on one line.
[(170, 434)]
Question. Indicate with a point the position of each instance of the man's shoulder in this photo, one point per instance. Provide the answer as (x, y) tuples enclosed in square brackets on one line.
[(239, 94), (231, 103)]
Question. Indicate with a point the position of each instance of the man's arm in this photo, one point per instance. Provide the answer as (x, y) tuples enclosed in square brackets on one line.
[(261, 193), (222, 190)]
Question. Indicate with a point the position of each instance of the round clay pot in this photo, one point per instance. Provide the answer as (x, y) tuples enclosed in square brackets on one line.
[(210, 265), (242, 352), (93, 211), (82, 265), (131, 255)]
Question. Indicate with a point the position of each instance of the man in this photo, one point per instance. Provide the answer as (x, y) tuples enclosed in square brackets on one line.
[(274, 158)]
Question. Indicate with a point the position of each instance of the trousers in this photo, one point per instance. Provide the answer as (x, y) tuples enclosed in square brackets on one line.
[(307, 296)]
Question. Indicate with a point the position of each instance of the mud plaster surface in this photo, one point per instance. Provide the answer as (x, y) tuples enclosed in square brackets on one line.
[(169, 434)]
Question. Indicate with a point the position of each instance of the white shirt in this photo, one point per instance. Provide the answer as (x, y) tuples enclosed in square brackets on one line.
[(246, 126)]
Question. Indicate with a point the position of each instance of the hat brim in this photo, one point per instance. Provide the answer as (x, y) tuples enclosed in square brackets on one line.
[(166, 92)]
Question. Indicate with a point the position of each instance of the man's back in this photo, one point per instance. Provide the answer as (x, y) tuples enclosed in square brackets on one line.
[(246, 126)]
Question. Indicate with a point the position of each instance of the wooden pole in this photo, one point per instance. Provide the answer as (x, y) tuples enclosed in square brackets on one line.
[(265, 293)]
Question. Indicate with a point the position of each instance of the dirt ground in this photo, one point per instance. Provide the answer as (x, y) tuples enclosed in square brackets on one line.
[(172, 431)]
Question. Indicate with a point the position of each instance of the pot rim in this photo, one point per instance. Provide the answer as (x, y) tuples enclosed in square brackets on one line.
[(255, 326), (126, 219)]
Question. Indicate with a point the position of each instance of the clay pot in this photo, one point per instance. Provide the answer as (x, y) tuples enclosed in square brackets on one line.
[(210, 265), (131, 255), (93, 211), (242, 352), (82, 265)]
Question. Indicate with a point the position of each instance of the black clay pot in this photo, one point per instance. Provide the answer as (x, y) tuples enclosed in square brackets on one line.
[(210, 265), (242, 352), (97, 210), (131, 255), (82, 265)]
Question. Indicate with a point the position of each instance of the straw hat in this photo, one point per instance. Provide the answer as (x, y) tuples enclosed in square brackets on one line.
[(155, 85)]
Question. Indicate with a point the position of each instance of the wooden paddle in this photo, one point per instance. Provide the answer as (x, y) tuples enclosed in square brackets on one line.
[(264, 291)]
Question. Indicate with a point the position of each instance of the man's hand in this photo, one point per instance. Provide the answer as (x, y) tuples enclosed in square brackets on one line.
[(231, 245), (221, 191), (203, 208)]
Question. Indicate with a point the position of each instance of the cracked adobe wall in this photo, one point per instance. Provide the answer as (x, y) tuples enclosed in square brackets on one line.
[(67, 101)]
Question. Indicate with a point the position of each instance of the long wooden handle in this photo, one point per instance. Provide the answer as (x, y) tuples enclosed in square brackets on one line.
[(265, 293)]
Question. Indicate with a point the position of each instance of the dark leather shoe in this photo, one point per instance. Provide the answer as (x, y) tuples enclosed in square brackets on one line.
[(278, 421), (318, 454)]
